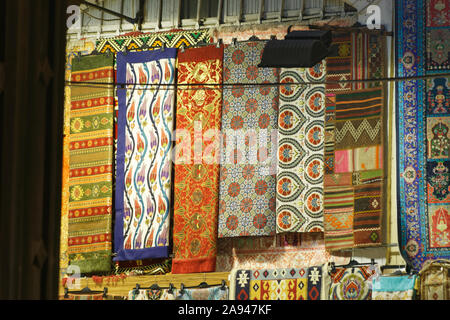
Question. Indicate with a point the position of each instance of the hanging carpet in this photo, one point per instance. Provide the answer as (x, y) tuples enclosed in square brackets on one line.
[(144, 157), (249, 119), (280, 284), (91, 164), (301, 137), (197, 160), (423, 122)]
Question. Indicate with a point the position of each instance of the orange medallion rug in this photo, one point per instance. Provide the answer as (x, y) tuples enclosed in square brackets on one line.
[(197, 156)]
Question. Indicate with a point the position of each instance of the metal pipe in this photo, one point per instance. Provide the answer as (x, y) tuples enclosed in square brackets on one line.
[(117, 14)]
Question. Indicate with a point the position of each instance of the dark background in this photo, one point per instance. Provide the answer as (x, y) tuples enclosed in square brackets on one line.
[(32, 58)]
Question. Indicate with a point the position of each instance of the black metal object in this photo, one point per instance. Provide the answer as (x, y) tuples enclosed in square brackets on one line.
[(324, 36), (139, 19), (299, 49), (293, 53)]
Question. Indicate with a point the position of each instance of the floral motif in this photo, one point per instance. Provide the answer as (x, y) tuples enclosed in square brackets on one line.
[(248, 108), (143, 181), (301, 132)]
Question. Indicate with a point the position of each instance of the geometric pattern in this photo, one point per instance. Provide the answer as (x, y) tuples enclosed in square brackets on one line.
[(90, 179), (422, 128), (72, 51), (338, 217), (339, 63), (248, 160), (279, 284), (354, 169), (300, 151), (367, 63), (367, 215), (372, 132), (149, 41), (358, 121), (376, 66), (360, 55), (330, 117)]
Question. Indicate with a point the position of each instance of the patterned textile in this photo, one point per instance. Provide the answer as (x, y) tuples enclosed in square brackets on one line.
[(355, 56), (339, 62), (297, 250), (73, 49), (138, 41), (197, 163), (144, 157), (330, 118), (368, 59), (353, 182), (360, 47), (152, 294), (95, 296), (144, 267), (435, 280), (90, 164), (376, 59), (438, 124), (279, 284), (394, 287), (300, 151), (353, 283), (247, 174), (212, 293), (149, 41), (423, 117)]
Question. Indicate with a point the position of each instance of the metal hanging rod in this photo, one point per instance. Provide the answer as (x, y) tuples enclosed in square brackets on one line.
[(139, 19)]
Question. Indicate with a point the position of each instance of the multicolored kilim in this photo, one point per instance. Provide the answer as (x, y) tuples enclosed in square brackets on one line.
[(354, 283), (360, 61), (330, 118), (339, 63), (279, 284), (301, 137), (91, 164), (423, 124), (196, 193), (73, 49), (368, 51), (353, 183), (249, 119), (138, 41), (144, 154)]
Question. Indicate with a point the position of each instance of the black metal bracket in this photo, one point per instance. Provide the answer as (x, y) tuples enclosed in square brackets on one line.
[(139, 19)]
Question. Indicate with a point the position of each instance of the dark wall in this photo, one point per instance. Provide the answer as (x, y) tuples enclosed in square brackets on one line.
[(32, 104)]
